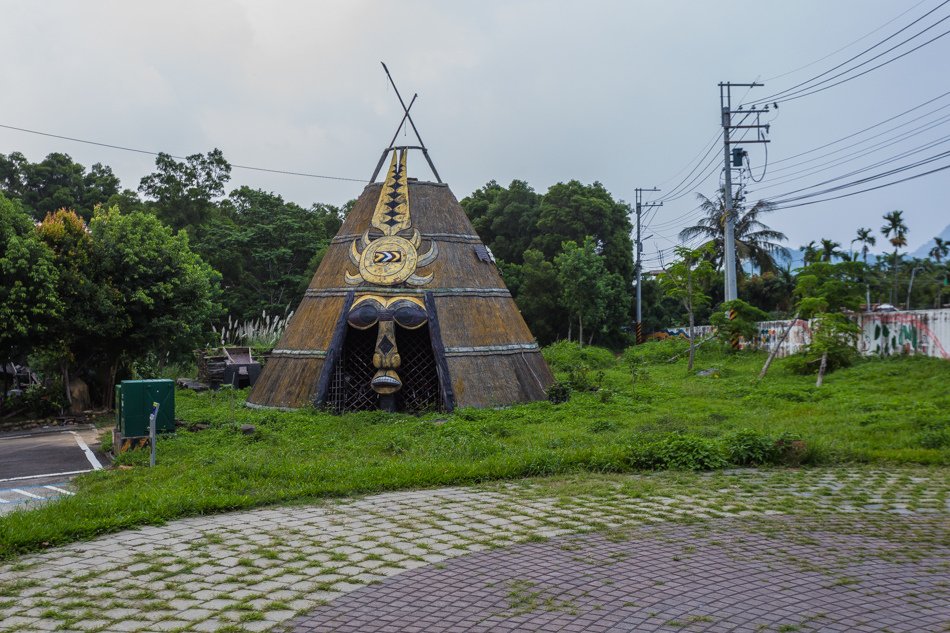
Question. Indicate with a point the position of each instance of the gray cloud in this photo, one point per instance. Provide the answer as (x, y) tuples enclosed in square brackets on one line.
[(621, 92)]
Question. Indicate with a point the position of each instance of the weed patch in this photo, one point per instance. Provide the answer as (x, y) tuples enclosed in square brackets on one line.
[(881, 411)]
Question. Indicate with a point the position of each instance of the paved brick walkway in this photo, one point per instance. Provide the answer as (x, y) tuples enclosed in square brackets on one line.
[(839, 574), (254, 571)]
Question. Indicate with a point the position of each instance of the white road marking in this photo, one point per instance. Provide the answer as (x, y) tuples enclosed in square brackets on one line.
[(85, 449), (65, 492), (25, 493), (4, 501), (69, 472)]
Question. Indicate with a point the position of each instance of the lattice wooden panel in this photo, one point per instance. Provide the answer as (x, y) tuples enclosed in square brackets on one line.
[(350, 389)]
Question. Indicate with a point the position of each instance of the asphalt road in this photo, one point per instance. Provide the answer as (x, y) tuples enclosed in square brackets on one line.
[(36, 466)]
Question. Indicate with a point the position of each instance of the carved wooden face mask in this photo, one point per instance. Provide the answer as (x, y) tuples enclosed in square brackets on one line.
[(367, 311)]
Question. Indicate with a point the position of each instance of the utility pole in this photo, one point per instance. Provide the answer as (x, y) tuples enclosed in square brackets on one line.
[(639, 208), (730, 158)]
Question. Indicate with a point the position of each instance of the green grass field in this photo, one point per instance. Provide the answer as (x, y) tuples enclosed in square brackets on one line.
[(881, 411)]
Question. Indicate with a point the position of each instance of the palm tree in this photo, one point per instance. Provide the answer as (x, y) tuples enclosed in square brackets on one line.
[(755, 242), (940, 250), (810, 253), (830, 250), (866, 240), (896, 232)]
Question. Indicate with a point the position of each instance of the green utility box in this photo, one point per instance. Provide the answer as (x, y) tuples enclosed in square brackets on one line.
[(133, 405)]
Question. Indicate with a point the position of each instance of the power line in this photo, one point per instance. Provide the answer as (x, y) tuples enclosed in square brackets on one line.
[(853, 134), (151, 153), (861, 74), (889, 159), (714, 141), (848, 158), (885, 143), (854, 193), (677, 188), (781, 202), (846, 46), (784, 93)]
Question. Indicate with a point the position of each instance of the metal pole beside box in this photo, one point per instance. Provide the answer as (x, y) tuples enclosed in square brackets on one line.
[(152, 432)]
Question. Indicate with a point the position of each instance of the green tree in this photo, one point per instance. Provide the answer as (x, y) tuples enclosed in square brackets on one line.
[(826, 287), (684, 279), (80, 289), (755, 242), (831, 250), (537, 291), (265, 248), (573, 211), (183, 193), (771, 292), (866, 239), (810, 253), (941, 249), (587, 287), (734, 320), (505, 218), (161, 296), (29, 304), (56, 182), (12, 168), (896, 231)]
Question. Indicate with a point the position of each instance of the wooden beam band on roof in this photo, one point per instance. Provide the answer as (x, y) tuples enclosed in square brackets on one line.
[(462, 238), (438, 292), (488, 350), (299, 353)]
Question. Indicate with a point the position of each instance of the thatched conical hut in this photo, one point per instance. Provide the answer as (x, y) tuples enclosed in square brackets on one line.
[(406, 311)]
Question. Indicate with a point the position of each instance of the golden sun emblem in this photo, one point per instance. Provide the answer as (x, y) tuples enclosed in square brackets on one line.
[(391, 259)]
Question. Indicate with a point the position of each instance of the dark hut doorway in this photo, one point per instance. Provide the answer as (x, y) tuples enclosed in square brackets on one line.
[(350, 390)]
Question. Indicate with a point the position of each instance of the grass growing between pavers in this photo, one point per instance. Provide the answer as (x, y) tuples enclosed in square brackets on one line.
[(225, 572), (883, 411)]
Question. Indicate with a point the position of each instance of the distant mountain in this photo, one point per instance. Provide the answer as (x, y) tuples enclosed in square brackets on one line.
[(924, 251)]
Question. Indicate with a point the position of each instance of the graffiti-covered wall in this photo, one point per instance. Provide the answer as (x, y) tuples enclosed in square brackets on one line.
[(914, 332), (771, 331), (882, 334)]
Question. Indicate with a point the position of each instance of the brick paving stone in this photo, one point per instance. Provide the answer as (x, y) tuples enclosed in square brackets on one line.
[(202, 561), (740, 578)]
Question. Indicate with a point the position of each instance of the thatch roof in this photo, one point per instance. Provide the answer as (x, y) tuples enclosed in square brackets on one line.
[(477, 345)]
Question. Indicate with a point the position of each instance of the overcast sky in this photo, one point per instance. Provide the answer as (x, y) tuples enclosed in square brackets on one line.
[(620, 92)]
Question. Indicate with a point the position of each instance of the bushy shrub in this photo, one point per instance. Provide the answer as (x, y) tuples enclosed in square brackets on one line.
[(833, 334), (935, 434), (42, 401), (655, 352), (790, 449), (579, 378), (734, 320), (685, 451), (564, 355), (677, 452), (559, 392), (747, 447)]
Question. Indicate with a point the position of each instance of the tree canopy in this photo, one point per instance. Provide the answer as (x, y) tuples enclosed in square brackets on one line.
[(29, 305), (183, 192), (756, 243), (56, 182)]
